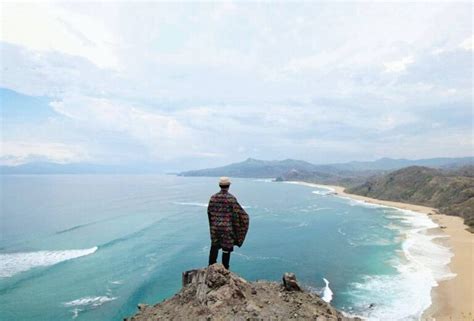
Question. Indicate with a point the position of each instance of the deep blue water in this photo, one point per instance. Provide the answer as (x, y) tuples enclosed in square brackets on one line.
[(91, 247)]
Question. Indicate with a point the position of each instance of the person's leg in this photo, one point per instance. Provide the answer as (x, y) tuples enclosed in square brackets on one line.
[(225, 258), (213, 254)]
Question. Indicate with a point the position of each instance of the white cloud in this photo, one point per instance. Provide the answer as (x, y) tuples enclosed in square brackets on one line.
[(468, 44), (438, 51), (164, 135), (194, 79), (400, 65), (47, 27), (19, 152)]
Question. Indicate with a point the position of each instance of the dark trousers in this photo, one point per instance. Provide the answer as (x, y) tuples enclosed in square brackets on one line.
[(213, 256)]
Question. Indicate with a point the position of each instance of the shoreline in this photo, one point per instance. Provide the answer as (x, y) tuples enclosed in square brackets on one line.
[(452, 299)]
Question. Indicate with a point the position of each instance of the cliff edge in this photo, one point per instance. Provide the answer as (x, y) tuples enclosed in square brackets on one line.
[(215, 293)]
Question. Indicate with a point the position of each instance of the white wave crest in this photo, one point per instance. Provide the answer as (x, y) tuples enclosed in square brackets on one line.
[(356, 202), (89, 301), (340, 231), (86, 303), (198, 204), (301, 224), (264, 180), (75, 312), (324, 192), (14, 263), (327, 292), (324, 187), (117, 282), (321, 209), (191, 204)]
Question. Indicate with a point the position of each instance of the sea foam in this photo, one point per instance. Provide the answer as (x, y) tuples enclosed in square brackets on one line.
[(356, 202), (14, 263), (191, 204), (89, 301), (323, 193), (407, 294), (423, 262), (198, 204), (265, 180), (327, 292)]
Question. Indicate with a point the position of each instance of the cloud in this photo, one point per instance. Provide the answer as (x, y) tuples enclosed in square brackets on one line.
[(468, 44), (164, 136), (171, 82), (48, 27), (20, 152), (397, 66)]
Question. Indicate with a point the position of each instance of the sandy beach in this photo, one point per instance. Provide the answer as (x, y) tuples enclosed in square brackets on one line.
[(453, 299)]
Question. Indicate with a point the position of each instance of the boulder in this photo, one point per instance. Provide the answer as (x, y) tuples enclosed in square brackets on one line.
[(290, 283)]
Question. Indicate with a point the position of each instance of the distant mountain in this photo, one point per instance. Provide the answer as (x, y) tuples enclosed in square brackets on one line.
[(451, 191), (253, 168), (385, 164), (75, 168), (350, 172), (343, 173)]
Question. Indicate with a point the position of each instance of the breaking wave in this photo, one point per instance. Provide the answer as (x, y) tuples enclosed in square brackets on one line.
[(87, 303), (199, 204), (406, 294), (14, 263), (324, 192), (191, 204), (327, 292)]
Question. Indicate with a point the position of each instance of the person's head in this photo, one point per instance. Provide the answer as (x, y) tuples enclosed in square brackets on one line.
[(224, 183)]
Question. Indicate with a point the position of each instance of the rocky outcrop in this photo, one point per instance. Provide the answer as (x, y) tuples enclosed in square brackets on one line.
[(215, 293)]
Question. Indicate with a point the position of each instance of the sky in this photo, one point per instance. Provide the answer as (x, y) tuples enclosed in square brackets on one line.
[(192, 85)]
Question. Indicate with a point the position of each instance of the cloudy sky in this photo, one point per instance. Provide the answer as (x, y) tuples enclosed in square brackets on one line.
[(192, 85)]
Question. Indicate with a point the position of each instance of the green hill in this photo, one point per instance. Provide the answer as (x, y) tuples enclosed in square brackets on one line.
[(450, 191)]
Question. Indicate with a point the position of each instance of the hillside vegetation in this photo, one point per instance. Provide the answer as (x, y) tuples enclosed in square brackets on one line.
[(450, 191)]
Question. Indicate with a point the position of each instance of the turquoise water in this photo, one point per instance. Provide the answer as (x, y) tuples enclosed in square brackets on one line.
[(92, 247)]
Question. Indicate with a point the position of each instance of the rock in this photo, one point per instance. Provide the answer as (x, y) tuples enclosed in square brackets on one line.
[(216, 294), (251, 307), (290, 283), (142, 306), (188, 277)]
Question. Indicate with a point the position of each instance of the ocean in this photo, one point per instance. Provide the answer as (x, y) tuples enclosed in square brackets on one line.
[(91, 247)]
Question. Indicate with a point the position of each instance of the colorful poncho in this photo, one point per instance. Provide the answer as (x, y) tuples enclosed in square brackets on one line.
[(228, 221)]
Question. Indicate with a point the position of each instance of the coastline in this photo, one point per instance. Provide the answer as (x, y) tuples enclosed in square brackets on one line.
[(453, 298)]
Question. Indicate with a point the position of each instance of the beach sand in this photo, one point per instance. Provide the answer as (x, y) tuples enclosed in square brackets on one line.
[(453, 299)]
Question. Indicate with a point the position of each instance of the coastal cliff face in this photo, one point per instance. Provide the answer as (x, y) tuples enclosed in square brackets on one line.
[(215, 293)]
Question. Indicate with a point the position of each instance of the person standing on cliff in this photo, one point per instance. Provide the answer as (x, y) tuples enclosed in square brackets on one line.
[(228, 223)]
